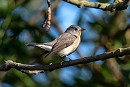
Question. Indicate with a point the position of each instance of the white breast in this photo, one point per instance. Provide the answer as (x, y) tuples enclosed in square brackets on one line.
[(70, 49)]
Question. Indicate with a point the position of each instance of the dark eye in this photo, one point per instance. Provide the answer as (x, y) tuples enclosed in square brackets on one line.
[(76, 29)]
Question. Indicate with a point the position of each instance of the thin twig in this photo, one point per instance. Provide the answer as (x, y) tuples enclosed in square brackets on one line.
[(49, 16), (47, 20)]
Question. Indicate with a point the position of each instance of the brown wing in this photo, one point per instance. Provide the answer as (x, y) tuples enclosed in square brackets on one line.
[(63, 41), (50, 43), (53, 42)]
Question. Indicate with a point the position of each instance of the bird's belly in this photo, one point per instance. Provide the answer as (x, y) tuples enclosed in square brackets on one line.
[(70, 49)]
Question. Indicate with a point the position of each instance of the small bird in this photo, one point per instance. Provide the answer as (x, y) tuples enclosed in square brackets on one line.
[(63, 45)]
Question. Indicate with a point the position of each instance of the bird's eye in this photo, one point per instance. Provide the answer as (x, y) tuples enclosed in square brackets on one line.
[(76, 29)]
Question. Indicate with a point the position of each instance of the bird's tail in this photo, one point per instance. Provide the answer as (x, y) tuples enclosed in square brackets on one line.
[(43, 46), (32, 44)]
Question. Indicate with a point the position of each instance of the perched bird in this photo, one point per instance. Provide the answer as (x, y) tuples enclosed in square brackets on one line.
[(63, 45)]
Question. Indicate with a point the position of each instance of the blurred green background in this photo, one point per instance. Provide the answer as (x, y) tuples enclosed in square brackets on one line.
[(20, 23)]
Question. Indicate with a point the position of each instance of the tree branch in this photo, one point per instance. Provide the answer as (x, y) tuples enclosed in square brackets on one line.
[(116, 6), (34, 69)]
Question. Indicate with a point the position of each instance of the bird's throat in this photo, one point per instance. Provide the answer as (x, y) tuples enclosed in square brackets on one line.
[(79, 34)]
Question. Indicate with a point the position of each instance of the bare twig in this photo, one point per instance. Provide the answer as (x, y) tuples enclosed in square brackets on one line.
[(116, 6), (34, 69), (47, 20)]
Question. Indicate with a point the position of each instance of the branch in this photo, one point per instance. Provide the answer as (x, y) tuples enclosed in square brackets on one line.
[(34, 69), (116, 6)]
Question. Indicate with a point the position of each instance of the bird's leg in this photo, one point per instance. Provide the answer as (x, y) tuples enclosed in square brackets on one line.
[(68, 58)]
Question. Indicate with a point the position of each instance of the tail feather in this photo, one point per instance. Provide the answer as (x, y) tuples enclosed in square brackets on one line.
[(32, 44), (49, 54), (44, 53), (43, 46)]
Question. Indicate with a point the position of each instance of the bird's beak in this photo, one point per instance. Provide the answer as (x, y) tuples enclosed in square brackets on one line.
[(82, 29)]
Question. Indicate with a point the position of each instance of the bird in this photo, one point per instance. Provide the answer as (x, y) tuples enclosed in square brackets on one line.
[(63, 45)]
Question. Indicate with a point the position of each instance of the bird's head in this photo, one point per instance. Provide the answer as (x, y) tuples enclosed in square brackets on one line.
[(75, 30)]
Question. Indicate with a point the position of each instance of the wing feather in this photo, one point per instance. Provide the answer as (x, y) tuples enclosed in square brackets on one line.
[(63, 41)]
